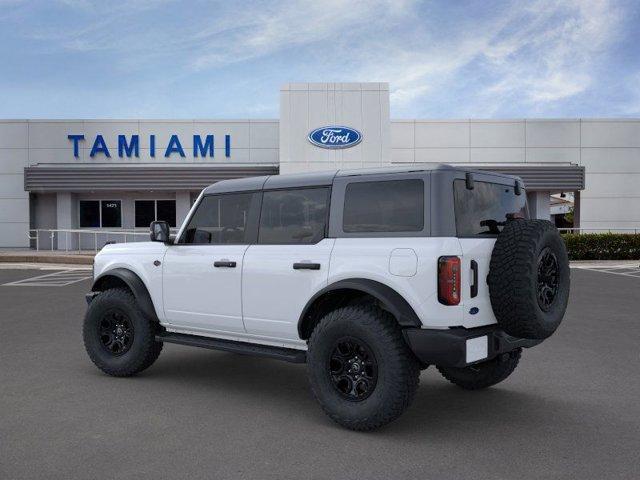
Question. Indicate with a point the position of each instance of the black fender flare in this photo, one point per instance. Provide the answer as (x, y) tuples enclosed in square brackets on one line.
[(387, 296), (135, 284)]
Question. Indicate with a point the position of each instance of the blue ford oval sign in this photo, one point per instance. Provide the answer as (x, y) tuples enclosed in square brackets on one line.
[(335, 136)]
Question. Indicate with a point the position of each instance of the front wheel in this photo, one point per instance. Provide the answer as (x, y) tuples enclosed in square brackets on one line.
[(118, 337), (360, 369), (485, 374)]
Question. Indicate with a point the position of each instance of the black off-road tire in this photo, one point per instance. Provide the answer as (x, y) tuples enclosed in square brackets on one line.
[(398, 371), (143, 349), (485, 374), (516, 272)]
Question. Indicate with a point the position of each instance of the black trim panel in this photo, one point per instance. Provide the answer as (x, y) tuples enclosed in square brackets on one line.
[(388, 297), (447, 348), (135, 284), (244, 348)]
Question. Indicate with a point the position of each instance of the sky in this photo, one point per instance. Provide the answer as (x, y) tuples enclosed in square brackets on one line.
[(207, 59)]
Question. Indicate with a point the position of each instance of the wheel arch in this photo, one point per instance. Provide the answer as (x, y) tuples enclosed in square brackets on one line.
[(123, 277), (345, 291)]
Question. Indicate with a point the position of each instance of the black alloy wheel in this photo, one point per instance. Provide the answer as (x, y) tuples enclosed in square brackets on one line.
[(353, 369), (119, 338), (547, 279), (361, 370), (116, 333)]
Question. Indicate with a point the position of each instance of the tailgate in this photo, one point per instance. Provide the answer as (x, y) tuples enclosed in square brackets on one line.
[(476, 255)]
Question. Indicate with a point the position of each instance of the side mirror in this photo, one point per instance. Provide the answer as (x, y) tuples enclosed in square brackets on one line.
[(159, 231)]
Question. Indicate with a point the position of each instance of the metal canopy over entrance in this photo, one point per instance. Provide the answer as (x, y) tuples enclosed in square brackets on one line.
[(550, 178), (41, 179)]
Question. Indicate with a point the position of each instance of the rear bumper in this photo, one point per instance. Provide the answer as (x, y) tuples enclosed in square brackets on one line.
[(459, 347)]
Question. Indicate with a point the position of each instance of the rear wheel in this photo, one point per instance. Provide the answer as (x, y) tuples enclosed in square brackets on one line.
[(360, 369), (119, 339), (485, 374)]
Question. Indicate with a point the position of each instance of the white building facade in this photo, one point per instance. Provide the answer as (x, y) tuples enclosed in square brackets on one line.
[(117, 175)]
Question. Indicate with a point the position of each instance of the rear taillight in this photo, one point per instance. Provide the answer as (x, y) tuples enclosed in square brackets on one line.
[(449, 280)]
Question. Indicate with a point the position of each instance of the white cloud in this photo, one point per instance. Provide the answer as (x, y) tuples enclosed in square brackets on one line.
[(552, 56), (542, 52), (282, 25), (534, 53)]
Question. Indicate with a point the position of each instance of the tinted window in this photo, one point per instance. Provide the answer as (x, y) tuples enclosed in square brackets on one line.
[(167, 211), (111, 213), (220, 219), (89, 213), (294, 216), (145, 213), (484, 210), (390, 206)]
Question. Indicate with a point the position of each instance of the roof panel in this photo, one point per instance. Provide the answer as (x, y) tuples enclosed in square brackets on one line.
[(301, 180)]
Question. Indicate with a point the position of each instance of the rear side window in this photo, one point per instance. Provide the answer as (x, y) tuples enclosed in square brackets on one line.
[(387, 206), (221, 219), (484, 210), (294, 216)]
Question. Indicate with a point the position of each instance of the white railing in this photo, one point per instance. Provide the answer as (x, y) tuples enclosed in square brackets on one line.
[(600, 230), (96, 239)]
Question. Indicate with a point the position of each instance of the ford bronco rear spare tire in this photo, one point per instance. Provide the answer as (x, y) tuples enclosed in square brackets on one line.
[(529, 278)]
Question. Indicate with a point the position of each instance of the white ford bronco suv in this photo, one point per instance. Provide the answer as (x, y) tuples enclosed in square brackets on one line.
[(368, 276)]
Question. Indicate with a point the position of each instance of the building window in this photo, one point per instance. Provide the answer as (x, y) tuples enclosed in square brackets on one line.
[(146, 211), (166, 210), (294, 216), (100, 213), (90, 214)]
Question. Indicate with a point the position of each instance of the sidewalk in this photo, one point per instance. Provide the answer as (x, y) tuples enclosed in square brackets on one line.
[(42, 256)]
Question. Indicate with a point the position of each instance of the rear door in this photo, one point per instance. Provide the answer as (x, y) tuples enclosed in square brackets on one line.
[(480, 214), (289, 263)]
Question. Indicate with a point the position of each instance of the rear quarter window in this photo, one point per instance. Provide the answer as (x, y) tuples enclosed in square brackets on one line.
[(384, 206), (484, 210)]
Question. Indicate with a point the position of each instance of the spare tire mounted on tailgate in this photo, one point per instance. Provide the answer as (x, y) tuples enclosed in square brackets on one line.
[(529, 278)]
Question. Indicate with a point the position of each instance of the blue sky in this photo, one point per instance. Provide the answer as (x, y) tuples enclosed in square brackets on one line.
[(204, 59)]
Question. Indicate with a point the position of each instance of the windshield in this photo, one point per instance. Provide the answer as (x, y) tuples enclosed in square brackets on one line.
[(485, 209)]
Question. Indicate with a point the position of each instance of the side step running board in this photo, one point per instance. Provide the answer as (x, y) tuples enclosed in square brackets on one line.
[(279, 353)]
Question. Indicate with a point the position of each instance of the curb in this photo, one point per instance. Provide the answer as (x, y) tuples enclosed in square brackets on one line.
[(63, 259)]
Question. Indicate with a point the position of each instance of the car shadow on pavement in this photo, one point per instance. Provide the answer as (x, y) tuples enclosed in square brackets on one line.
[(438, 406), (226, 373)]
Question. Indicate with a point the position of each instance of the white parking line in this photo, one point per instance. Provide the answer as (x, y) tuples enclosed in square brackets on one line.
[(55, 279), (626, 270), (42, 266)]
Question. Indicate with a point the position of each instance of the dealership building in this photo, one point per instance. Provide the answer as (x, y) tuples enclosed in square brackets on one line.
[(64, 177)]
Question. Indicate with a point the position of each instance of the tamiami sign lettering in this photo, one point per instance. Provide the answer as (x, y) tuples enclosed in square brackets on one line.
[(129, 146)]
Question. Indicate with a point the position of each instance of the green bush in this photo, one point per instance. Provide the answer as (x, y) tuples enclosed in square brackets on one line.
[(602, 246)]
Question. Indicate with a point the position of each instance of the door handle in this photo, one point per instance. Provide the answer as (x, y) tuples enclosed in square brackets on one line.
[(474, 271), (306, 266), (224, 263)]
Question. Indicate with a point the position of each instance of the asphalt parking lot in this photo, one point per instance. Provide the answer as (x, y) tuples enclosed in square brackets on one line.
[(571, 409)]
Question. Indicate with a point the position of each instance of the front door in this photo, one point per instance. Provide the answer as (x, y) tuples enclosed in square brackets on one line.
[(202, 272), (289, 263)]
